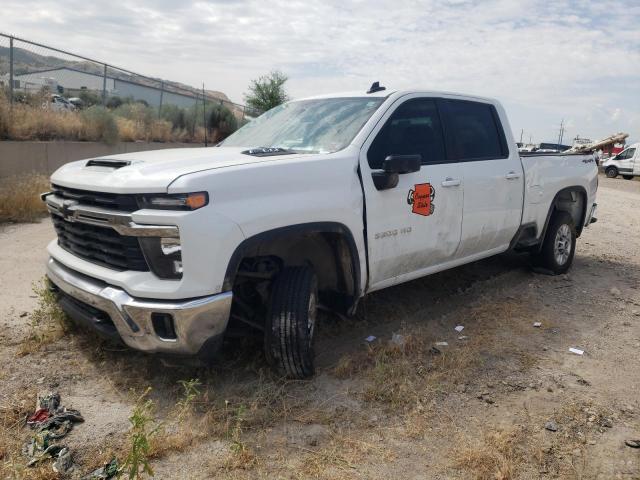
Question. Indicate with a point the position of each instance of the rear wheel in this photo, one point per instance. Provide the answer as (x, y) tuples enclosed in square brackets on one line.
[(291, 322), (611, 172), (559, 245), (627, 177)]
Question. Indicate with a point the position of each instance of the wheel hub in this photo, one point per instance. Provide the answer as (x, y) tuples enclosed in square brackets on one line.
[(562, 244)]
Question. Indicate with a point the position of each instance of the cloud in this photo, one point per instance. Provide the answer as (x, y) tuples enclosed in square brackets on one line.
[(545, 60)]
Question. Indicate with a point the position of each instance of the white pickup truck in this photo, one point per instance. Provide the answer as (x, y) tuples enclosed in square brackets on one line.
[(626, 163), (314, 204)]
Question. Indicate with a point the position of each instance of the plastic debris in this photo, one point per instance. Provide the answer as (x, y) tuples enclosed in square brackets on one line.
[(370, 338), (577, 351), (105, 472), (632, 443), (459, 328), (64, 463), (398, 339), (551, 426), (51, 421), (442, 344), (537, 324), (463, 337)]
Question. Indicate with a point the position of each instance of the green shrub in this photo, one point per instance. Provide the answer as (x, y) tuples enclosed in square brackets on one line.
[(100, 125), (222, 121)]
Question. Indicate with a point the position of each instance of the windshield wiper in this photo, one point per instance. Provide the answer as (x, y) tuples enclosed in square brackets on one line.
[(268, 151)]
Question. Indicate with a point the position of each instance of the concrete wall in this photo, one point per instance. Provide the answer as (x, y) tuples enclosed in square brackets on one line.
[(46, 157)]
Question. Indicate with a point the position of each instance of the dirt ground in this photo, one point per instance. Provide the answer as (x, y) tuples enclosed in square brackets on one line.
[(475, 408)]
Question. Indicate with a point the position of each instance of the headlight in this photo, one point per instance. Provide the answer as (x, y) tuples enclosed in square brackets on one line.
[(164, 256), (174, 201)]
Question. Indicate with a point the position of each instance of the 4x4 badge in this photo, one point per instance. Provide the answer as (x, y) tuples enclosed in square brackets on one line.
[(420, 197)]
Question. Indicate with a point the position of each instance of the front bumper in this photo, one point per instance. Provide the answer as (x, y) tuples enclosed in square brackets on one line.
[(197, 323)]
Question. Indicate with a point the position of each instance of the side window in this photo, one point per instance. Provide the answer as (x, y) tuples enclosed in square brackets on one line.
[(629, 153), (413, 128), (473, 131)]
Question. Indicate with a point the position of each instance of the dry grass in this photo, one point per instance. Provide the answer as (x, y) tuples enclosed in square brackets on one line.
[(408, 376), (498, 455), (20, 198), (47, 323), (34, 122)]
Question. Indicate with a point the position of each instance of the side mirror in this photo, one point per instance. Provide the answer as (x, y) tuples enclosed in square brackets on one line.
[(393, 166), (402, 163)]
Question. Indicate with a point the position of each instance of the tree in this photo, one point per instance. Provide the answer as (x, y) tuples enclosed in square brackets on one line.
[(267, 92)]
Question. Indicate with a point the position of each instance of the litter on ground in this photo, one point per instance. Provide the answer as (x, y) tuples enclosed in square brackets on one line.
[(398, 339), (577, 351), (537, 324), (110, 470), (51, 422), (459, 328), (370, 338), (442, 344)]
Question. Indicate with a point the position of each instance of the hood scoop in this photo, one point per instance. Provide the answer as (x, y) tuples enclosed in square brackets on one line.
[(115, 164)]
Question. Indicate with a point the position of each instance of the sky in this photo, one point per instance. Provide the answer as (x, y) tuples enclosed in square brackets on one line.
[(546, 61)]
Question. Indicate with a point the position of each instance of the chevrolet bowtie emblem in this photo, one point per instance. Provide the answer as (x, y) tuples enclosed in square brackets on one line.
[(65, 209)]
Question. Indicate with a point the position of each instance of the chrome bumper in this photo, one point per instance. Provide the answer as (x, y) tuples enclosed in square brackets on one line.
[(195, 321)]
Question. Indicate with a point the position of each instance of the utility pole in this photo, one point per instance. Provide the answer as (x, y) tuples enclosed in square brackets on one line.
[(561, 133)]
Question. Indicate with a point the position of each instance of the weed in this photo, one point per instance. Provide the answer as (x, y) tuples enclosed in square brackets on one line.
[(136, 464), (191, 390), (47, 323)]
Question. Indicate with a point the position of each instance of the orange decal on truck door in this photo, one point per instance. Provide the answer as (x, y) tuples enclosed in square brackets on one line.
[(420, 198)]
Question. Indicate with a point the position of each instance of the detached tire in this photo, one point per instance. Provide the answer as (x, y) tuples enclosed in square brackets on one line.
[(559, 245), (291, 322), (611, 172)]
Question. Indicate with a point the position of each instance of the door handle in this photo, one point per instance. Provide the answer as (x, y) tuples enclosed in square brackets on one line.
[(512, 175), (450, 182)]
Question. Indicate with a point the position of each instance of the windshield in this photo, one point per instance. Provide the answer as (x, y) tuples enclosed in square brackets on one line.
[(308, 126)]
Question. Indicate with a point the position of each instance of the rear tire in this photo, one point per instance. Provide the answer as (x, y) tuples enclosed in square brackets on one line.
[(611, 172), (291, 322), (627, 177), (558, 247)]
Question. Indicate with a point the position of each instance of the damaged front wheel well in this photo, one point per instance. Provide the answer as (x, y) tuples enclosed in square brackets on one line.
[(329, 248)]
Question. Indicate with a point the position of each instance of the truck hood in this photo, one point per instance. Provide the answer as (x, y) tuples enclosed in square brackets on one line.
[(150, 171)]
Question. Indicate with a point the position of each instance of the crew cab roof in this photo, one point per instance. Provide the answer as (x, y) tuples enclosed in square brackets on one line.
[(398, 93)]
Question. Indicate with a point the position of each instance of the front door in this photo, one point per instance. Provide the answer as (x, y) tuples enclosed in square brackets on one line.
[(415, 226)]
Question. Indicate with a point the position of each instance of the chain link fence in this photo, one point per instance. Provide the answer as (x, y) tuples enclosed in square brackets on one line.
[(62, 80)]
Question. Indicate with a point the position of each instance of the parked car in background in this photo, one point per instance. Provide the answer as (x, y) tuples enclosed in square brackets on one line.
[(76, 102), (313, 204), (58, 103), (626, 163)]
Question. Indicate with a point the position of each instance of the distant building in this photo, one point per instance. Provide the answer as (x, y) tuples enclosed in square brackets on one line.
[(71, 79)]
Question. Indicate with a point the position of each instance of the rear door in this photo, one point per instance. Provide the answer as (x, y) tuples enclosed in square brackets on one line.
[(414, 227), (493, 176)]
